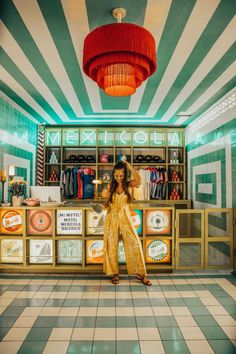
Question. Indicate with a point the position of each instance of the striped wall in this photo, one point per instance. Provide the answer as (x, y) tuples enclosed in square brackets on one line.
[(211, 155), (18, 138)]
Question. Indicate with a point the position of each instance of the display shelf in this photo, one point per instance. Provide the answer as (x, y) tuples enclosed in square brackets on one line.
[(45, 252), (142, 164), (106, 146), (176, 182)]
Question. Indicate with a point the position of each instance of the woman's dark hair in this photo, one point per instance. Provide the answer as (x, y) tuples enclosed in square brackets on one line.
[(119, 166)]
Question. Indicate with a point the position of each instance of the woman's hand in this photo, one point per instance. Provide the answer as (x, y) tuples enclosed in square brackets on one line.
[(125, 162), (106, 204)]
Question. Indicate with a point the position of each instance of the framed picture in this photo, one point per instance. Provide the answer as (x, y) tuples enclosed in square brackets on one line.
[(95, 222), (69, 251), (158, 222), (157, 251), (94, 251), (40, 251), (11, 221), (69, 222), (11, 251), (39, 222), (137, 218)]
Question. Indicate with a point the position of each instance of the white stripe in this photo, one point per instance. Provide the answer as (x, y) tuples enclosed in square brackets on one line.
[(217, 144), (214, 55), (155, 19), (16, 54), (14, 140), (213, 167), (205, 187), (197, 22), (77, 21), (20, 109), (15, 86), (212, 122), (222, 80), (31, 14)]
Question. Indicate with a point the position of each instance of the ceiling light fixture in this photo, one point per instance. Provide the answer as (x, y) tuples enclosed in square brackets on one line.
[(119, 56)]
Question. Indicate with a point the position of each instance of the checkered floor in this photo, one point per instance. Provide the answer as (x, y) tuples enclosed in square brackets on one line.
[(183, 312)]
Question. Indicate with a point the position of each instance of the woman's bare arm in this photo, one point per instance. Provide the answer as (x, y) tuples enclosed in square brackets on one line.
[(135, 182), (106, 194)]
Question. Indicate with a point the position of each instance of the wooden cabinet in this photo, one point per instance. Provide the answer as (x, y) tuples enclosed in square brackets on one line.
[(70, 239)]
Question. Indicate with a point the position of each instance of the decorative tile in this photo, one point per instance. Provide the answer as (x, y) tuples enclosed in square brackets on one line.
[(199, 347)]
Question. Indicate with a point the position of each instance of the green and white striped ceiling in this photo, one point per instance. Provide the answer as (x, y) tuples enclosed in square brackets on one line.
[(41, 60)]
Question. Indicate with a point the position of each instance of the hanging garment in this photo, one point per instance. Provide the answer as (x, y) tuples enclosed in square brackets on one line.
[(88, 188), (118, 222), (75, 182), (80, 178)]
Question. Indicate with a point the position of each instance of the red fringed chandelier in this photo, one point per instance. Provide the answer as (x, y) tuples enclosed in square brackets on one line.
[(119, 56)]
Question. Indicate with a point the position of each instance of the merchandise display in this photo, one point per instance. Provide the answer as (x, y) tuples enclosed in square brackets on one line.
[(39, 222), (99, 149), (157, 251), (72, 238), (158, 222), (94, 251), (40, 251), (11, 221), (11, 251), (69, 251)]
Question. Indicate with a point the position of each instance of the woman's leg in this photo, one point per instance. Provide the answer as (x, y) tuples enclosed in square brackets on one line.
[(133, 252), (133, 248), (110, 250)]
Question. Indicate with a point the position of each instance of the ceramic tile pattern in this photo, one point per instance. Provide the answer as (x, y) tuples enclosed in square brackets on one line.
[(128, 318), (211, 156), (18, 139)]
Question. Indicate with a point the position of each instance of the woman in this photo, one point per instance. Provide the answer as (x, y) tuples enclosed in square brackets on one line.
[(118, 222)]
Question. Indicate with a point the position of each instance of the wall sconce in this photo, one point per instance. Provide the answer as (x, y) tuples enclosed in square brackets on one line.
[(96, 182), (11, 171), (3, 178)]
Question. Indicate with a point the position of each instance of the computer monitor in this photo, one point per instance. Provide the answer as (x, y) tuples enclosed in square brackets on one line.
[(46, 194)]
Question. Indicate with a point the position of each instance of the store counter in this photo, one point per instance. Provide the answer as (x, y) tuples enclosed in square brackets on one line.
[(70, 238)]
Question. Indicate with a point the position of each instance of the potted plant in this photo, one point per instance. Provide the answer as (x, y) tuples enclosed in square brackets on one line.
[(17, 191)]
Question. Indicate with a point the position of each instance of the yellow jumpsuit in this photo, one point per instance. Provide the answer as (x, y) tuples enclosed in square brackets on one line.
[(118, 221)]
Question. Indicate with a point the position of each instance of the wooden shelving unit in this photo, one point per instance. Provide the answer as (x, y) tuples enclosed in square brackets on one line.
[(156, 239), (172, 156)]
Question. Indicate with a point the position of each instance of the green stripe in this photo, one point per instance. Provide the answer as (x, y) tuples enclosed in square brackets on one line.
[(11, 117), (135, 13), (17, 28), (13, 70), (172, 32), (216, 26), (217, 155), (206, 197), (97, 16), (227, 129), (57, 25), (223, 91), (17, 99), (12, 150), (109, 102), (209, 79)]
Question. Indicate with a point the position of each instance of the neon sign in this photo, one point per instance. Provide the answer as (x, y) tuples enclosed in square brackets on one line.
[(118, 137)]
